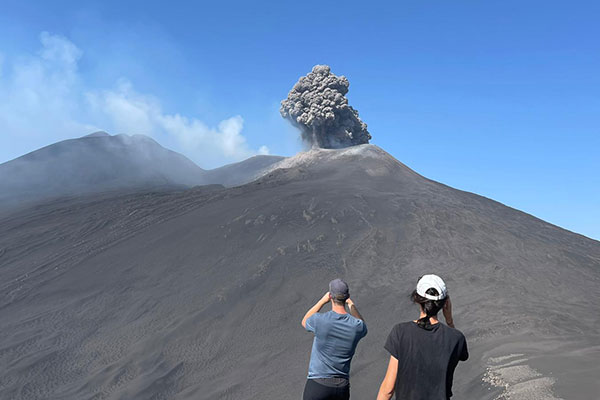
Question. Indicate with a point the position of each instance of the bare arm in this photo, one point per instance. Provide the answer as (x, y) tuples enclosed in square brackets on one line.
[(316, 308), (447, 310), (353, 310), (386, 390)]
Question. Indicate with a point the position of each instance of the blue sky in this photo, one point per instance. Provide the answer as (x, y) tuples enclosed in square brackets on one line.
[(497, 98)]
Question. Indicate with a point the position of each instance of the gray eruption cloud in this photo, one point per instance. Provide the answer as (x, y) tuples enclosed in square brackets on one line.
[(317, 105)]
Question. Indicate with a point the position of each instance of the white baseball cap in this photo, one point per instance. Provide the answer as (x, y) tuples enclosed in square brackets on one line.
[(431, 281)]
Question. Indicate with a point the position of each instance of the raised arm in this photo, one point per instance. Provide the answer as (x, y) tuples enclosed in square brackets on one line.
[(316, 308), (447, 310), (386, 390), (353, 310)]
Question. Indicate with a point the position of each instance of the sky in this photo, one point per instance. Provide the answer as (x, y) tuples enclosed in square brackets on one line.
[(497, 98)]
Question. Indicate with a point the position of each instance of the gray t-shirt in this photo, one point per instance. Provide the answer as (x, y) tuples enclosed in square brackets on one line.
[(336, 337)]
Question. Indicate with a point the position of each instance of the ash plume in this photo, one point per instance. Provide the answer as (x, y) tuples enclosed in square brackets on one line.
[(317, 105)]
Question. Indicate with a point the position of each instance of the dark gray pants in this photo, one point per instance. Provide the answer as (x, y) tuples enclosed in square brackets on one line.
[(327, 389)]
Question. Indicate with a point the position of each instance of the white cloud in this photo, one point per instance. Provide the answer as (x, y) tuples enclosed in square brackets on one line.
[(60, 51), (127, 111), (39, 95), (264, 150), (44, 99), (133, 112)]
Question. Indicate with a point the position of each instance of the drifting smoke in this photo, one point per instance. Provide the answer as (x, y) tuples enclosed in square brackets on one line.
[(318, 106)]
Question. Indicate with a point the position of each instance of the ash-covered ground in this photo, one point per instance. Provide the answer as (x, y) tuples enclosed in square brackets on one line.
[(198, 293)]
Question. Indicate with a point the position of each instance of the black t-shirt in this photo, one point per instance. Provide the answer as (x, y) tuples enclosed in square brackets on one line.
[(426, 360)]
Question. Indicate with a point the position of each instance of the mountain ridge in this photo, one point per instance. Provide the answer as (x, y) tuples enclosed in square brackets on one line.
[(100, 162)]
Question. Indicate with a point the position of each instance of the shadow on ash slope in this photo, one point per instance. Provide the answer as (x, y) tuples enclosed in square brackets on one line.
[(198, 294)]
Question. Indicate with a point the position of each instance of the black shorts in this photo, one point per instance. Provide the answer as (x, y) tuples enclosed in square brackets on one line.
[(327, 389)]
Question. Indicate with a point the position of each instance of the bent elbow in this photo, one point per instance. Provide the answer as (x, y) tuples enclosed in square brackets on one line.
[(389, 390)]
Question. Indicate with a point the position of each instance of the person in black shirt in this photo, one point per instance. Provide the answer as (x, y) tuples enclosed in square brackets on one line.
[(425, 352)]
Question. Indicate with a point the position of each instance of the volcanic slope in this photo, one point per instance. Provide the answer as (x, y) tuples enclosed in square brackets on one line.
[(94, 163), (100, 162), (198, 294), (241, 172)]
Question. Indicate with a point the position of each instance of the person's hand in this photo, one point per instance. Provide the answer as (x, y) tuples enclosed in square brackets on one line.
[(353, 310), (325, 298), (448, 306), (447, 310)]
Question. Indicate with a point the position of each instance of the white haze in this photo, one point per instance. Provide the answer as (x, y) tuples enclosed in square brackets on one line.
[(44, 98)]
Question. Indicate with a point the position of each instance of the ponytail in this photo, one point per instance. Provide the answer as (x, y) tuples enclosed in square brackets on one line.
[(430, 307)]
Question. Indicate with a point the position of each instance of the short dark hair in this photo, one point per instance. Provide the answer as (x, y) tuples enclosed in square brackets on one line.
[(339, 300)]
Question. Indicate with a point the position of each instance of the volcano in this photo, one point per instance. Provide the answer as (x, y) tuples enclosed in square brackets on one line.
[(198, 293), (99, 162)]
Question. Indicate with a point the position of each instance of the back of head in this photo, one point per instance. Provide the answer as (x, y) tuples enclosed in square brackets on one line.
[(339, 291), (431, 295)]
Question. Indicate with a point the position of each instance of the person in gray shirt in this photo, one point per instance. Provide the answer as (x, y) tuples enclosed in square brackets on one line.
[(337, 334)]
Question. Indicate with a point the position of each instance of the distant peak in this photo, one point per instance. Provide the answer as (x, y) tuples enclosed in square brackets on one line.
[(369, 158), (138, 136), (97, 134), (316, 154)]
